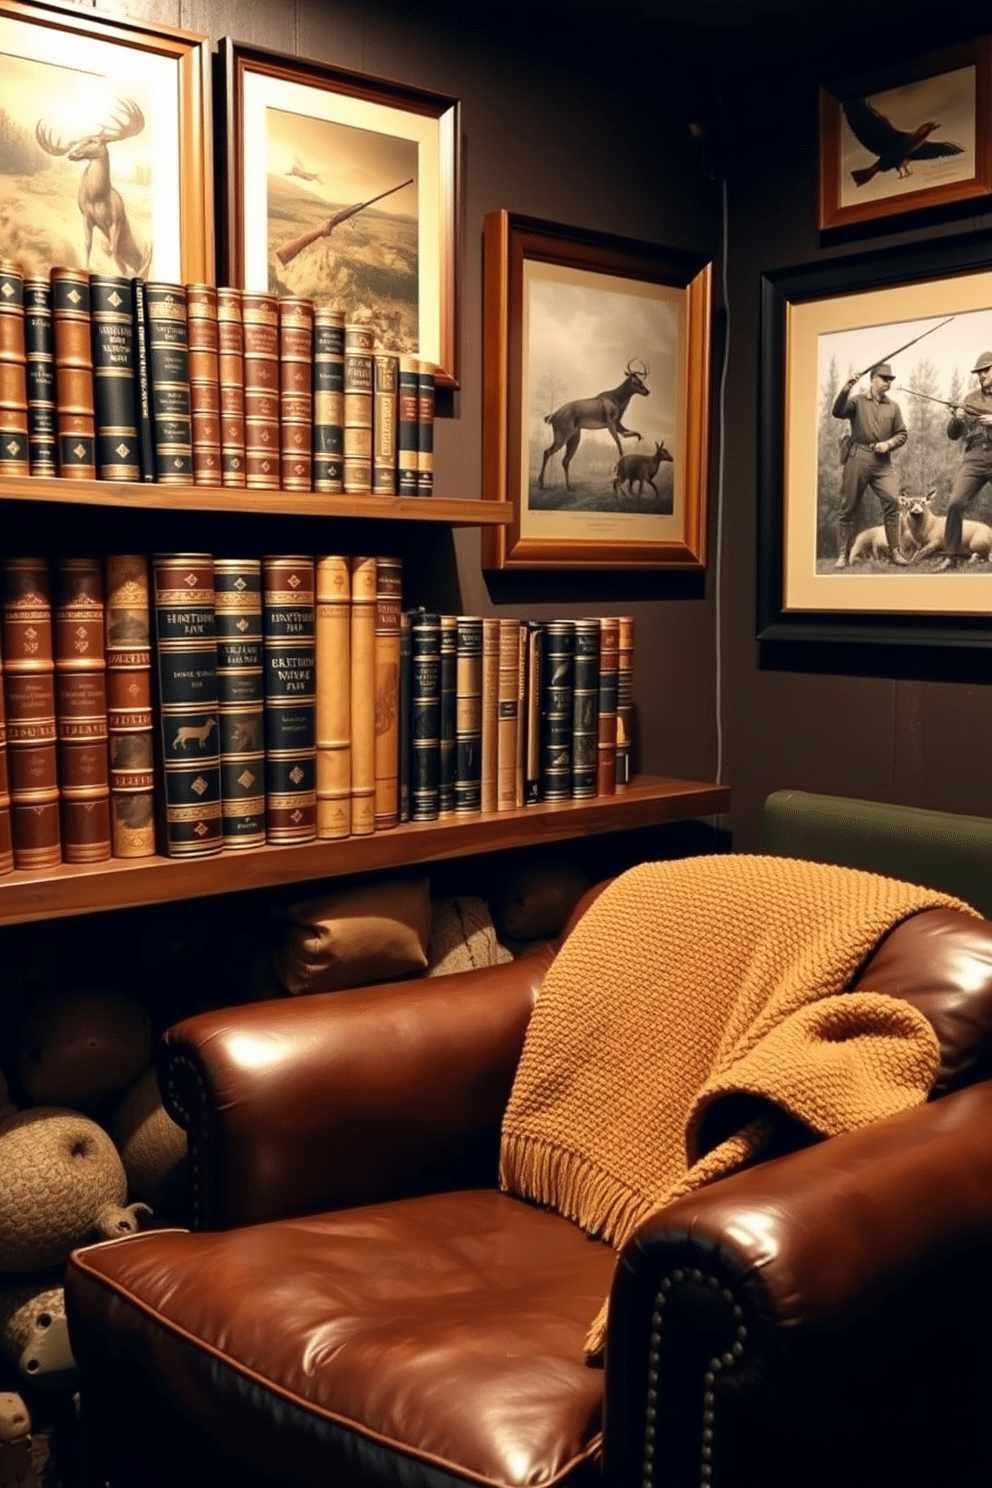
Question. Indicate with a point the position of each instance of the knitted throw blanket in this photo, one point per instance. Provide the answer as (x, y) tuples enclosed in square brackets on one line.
[(686, 986)]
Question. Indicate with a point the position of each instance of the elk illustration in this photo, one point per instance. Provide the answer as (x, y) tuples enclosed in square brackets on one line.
[(101, 205), (639, 468), (199, 733), (604, 411)]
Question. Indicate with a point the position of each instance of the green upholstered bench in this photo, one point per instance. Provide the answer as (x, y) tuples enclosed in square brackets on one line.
[(940, 849)]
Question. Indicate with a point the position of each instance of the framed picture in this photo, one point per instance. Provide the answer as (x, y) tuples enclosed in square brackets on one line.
[(105, 148), (343, 188), (911, 137), (596, 398), (856, 479)]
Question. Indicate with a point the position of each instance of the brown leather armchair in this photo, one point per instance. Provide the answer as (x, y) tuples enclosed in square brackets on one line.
[(361, 1305)]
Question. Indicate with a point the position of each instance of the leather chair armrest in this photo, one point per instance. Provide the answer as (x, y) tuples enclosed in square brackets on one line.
[(343, 1098), (788, 1280)]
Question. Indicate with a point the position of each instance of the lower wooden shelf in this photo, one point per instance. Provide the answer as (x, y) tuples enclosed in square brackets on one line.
[(56, 893)]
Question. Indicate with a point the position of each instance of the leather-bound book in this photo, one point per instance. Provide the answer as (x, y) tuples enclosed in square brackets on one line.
[(75, 419), (240, 699), (289, 620), (407, 426), (143, 380), (118, 446), (468, 715), (388, 605), (296, 392), (39, 347), (519, 771), (385, 367), (186, 636), (168, 366), (557, 672), (260, 325), (585, 708), (625, 699), (328, 400), (425, 708), (358, 343), (490, 714), (81, 710), (204, 383), (425, 429), (231, 386), (6, 840), (606, 727), (446, 715), (29, 686), (405, 684), (532, 712), (130, 720), (13, 373), (363, 608), (333, 696), (508, 714)]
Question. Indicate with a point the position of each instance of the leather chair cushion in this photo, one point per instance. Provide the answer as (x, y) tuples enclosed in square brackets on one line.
[(433, 1336)]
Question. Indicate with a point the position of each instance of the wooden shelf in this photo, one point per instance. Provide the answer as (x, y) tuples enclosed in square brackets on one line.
[(234, 500), (56, 893)]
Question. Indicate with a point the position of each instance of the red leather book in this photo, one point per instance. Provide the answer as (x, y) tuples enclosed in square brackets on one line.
[(358, 343), (130, 722), (81, 710), (75, 416), (13, 373), (260, 321), (29, 688), (6, 841), (204, 383), (296, 392), (606, 733), (231, 375)]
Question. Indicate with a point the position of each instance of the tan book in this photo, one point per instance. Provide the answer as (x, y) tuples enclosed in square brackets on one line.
[(130, 722), (519, 779), (296, 392), (29, 685), (14, 458), (231, 386), (385, 368), (490, 714), (625, 699), (260, 324), (363, 609), (75, 416), (204, 383), (389, 604), (508, 713), (81, 710), (6, 840), (333, 697), (358, 343)]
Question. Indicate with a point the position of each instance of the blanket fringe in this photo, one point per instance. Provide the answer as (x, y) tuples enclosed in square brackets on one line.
[(585, 1193)]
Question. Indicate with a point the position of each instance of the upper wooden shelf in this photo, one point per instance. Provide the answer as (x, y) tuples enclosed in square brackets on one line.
[(56, 893), (149, 494)]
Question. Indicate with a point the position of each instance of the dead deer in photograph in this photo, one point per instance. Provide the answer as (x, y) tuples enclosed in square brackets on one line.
[(636, 469)]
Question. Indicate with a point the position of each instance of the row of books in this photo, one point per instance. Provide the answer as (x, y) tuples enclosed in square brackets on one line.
[(112, 378), (191, 703)]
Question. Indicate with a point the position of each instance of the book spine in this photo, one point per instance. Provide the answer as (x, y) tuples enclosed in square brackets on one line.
[(81, 710), (186, 633), (118, 447), (585, 708), (260, 324), (358, 344), (519, 774), (446, 716), (405, 700), (363, 603), (625, 699), (231, 386), (407, 426), (29, 684), (556, 710), (384, 370), (425, 708), (468, 715), (606, 729), (130, 721), (168, 366), (204, 384), (39, 348), (333, 579), (6, 839), (14, 445), (290, 698), (240, 700), (388, 606), (328, 400), (425, 430), (490, 714), (508, 714), (75, 419), (532, 752), (296, 317), (143, 381)]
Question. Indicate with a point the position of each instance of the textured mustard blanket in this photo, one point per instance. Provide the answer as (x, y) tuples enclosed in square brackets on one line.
[(688, 984)]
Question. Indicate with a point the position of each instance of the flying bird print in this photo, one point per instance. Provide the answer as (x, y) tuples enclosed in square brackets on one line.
[(298, 169), (894, 148)]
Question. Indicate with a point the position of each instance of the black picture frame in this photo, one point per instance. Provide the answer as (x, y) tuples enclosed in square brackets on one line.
[(854, 290)]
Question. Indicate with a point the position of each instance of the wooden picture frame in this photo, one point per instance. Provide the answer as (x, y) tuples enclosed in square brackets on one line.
[(127, 96), (305, 141), (925, 310), (908, 138), (567, 311)]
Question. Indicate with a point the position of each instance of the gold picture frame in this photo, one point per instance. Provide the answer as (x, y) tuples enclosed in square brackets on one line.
[(567, 311)]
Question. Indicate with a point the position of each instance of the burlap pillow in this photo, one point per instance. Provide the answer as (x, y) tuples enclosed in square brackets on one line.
[(367, 934)]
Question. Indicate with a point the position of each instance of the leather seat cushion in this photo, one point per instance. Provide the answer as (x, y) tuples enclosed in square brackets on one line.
[(444, 1331)]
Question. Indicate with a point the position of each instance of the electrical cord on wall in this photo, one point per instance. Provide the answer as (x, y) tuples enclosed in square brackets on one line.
[(718, 557)]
